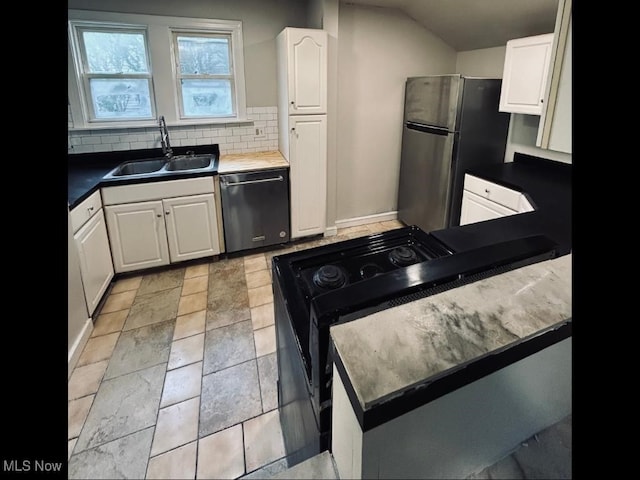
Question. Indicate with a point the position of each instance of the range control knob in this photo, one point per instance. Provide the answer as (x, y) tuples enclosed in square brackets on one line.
[(283, 234)]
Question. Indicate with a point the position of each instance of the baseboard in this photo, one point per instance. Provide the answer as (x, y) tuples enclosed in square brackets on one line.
[(78, 346), (378, 217)]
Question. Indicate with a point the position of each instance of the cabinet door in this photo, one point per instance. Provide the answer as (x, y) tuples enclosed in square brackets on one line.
[(555, 130), (526, 65), (308, 174), (138, 235), (478, 209), (307, 71), (192, 231), (96, 266)]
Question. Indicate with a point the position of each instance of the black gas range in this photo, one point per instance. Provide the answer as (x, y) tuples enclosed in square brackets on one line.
[(340, 282)]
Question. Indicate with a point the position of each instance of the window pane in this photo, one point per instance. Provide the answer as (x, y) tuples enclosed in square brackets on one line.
[(120, 98), (204, 98), (113, 52), (203, 55)]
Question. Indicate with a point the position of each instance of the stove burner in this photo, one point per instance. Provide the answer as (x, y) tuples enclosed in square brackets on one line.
[(329, 276), (403, 256), (370, 270)]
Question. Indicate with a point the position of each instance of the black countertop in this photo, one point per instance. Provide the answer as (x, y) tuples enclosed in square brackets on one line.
[(85, 171), (547, 185)]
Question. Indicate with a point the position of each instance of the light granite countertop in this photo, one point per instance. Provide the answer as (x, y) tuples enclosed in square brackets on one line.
[(246, 162), (390, 351)]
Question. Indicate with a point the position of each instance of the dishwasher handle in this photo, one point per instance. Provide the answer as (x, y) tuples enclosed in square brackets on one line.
[(279, 178)]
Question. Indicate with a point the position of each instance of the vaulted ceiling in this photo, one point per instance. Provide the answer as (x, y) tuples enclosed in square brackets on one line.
[(473, 24)]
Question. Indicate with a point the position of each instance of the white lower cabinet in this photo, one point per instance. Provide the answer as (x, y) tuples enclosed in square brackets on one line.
[(483, 200), (192, 230), (151, 234), (138, 235), (478, 209), (148, 228), (92, 244)]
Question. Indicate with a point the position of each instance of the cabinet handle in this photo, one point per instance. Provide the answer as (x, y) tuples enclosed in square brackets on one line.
[(486, 190), (90, 209), (167, 212), (159, 216)]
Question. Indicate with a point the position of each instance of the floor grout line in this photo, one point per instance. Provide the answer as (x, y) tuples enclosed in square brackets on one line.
[(256, 259)]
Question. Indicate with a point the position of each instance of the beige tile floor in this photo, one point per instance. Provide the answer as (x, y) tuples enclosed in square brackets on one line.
[(178, 377)]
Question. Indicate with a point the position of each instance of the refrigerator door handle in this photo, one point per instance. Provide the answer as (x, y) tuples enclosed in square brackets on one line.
[(427, 128)]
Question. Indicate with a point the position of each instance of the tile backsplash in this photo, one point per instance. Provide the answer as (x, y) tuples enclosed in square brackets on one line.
[(231, 137)]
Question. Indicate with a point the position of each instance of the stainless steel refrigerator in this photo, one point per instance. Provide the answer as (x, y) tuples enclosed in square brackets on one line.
[(451, 124)]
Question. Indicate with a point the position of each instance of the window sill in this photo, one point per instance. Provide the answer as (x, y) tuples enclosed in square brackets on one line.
[(154, 124)]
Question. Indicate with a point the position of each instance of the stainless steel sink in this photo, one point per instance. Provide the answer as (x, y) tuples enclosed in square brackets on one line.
[(162, 166), (138, 167), (189, 162)]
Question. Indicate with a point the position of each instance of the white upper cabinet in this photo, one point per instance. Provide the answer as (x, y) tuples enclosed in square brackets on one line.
[(526, 67), (555, 130), (305, 55)]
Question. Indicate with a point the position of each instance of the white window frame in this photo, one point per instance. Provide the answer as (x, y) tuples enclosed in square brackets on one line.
[(161, 58), (175, 33)]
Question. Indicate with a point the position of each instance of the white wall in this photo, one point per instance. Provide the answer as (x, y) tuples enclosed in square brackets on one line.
[(485, 62), (261, 22), (378, 49)]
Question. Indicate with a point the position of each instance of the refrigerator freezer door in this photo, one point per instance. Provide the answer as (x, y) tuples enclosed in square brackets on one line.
[(433, 100), (425, 178)]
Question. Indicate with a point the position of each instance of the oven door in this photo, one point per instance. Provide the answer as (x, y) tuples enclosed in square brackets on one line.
[(297, 418)]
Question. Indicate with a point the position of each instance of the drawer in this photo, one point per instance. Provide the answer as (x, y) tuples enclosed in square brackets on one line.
[(85, 210), (144, 192), (492, 191)]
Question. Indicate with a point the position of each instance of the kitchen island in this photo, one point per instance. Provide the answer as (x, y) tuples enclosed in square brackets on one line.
[(548, 188), (444, 386)]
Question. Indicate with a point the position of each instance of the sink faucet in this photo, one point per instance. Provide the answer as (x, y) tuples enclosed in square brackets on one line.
[(164, 138)]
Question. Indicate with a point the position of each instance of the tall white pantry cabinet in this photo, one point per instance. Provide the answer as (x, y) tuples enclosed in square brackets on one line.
[(302, 124)]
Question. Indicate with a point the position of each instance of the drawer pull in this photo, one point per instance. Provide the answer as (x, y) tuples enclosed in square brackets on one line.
[(486, 190)]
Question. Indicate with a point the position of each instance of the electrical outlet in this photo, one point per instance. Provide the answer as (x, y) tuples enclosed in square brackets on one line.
[(260, 132)]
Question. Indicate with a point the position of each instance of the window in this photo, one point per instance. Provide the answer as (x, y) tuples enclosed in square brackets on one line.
[(115, 73), (205, 74), (127, 69)]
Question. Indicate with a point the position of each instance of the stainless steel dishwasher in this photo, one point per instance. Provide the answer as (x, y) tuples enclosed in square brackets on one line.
[(255, 208)]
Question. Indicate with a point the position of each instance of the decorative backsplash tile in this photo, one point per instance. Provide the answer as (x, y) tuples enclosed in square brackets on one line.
[(231, 137)]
